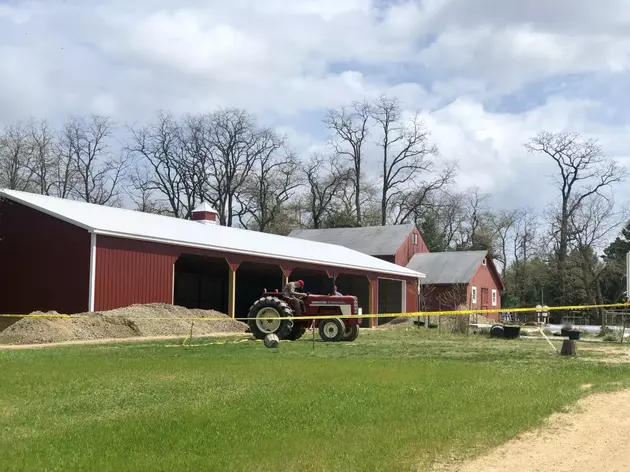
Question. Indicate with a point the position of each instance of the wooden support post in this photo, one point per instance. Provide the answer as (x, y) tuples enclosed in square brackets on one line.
[(286, 272), (232, 290), (373, 292)]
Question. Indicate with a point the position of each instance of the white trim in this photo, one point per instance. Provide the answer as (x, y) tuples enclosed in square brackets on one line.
[(473, 295), (209, 247), (92, 282), (45, 210), (494, 297), (403, 301)]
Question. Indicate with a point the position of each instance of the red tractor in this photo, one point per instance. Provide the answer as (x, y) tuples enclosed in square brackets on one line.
[(275, 305)]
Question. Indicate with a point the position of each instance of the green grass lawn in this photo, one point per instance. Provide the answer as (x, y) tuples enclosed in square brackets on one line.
[(389, 401)]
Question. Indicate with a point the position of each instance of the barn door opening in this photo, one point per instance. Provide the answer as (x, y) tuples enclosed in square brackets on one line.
[(390, 298), (359, 286), (251, 280), (201, 282)]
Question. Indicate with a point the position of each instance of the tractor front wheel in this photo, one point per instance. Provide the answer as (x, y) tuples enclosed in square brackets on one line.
[(262, 318), (351, 333), (331, 330)]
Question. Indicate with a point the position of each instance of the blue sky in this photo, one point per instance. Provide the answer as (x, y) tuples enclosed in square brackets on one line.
[(485, 75)]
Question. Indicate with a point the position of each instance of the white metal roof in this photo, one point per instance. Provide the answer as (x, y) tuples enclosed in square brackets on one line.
[(132, 224)]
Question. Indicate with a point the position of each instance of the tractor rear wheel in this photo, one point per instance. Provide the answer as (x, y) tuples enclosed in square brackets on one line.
[(351, 333), (270, 307), (331, 330), (297, 332)]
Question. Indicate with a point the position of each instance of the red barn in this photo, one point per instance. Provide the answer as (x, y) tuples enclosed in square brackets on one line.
[(394, 243), (460, 278), (72, 257)]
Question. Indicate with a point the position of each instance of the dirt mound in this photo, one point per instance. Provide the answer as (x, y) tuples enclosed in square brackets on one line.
[(135, 320)]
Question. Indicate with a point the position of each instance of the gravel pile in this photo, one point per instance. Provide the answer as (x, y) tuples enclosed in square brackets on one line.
[(120, 323)]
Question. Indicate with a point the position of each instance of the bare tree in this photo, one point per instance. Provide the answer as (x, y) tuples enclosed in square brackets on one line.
[(228, 145), (405, 146), (583, 171), (525, 233), (410, 204), (43, 159), (143, 193), (476, 218), (15, 157), (272, 183), (159, 152), (351, 128), (98, 172), (324, 178), (503, 224), (589, 227)]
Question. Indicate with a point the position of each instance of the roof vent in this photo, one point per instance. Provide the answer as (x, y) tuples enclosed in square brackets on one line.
[(205, 214)]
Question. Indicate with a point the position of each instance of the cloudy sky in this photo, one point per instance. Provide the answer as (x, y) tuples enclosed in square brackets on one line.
[(486, 74)]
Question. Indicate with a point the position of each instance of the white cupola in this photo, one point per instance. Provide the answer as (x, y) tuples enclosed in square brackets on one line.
[(205, 214)]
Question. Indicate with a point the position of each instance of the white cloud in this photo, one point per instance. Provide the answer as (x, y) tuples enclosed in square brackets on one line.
[(288, 59)]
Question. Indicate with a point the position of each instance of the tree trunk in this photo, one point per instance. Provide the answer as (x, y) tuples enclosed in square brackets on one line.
[(357, 198), (569, 347)]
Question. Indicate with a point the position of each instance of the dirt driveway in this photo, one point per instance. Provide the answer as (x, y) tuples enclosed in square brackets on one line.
[(595, 437)]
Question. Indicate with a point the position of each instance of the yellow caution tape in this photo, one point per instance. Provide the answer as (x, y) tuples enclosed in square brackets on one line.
[(328, 317)]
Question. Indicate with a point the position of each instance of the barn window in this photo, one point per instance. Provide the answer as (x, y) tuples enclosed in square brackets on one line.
[(415, 239), (473, 295), (494, 298), (484, 262)]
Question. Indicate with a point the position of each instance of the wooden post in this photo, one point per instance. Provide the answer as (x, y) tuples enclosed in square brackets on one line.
[(286, 272), (569, 348), (373, 296), (232, 291)]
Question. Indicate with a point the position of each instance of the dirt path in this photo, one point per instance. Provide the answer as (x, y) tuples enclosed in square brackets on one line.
[(112, 340), (594, 438)]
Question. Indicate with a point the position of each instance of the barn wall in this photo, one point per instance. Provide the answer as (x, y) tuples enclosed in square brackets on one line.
[(412, 297), (443, 297), (408, 249), (45, 262), (485, 278), (129, 271)]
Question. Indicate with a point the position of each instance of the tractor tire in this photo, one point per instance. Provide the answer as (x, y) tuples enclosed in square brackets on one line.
[(331, 331), (351, 333), (273, 308), (297, 332)]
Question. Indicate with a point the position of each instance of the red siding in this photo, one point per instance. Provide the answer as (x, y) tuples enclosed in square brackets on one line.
[(412, 297), (129, 271), (486, 278), (408, 249), (45, 262), (443, 297)]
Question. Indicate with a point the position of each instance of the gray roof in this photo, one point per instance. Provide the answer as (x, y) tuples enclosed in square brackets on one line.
[(372, 240), (457, 267)]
